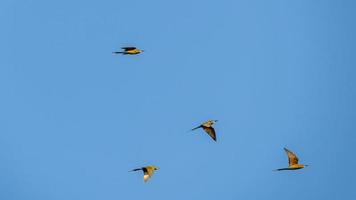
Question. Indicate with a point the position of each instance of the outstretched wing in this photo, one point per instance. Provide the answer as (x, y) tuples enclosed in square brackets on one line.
[(196, 127), (128, 48), (138, 169), (210, 131), (292, 158)]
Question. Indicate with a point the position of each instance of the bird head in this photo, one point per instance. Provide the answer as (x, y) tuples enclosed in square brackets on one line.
[(213, 121), (155, 168)]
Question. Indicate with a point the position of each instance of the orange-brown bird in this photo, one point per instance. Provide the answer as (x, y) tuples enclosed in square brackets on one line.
[(208, 128), (147, 171), (293, 162), (129, 51)]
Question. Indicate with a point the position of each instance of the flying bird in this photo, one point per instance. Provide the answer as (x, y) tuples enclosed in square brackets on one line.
[(147, 171), (129, 51), (208, 128), (293, 161)]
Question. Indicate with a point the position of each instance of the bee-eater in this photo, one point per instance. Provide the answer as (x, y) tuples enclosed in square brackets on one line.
[(208, 128), (129, 51), (147, 171), (293, 161)]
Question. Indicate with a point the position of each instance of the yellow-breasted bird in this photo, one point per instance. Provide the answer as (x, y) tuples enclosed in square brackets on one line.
[(129, 51), (147, 171), (293, 162), (208, 128)]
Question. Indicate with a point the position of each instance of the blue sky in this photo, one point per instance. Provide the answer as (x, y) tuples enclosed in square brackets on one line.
[(75, 118)]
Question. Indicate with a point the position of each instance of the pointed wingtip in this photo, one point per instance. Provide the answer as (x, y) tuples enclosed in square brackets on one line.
[(200, 126), (135, 170)]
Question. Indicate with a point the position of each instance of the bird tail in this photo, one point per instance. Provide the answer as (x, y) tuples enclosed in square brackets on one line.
[(117, 52)]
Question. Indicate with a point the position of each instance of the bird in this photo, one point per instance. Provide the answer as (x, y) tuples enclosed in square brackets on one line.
[(293, 162), (129, 51), (147, 171), (208, 128)]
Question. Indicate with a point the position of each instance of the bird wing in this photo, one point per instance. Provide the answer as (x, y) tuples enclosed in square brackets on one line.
[(146, 177), (197, 127), (210, 131), (128, 48), (136, 169), (292, 158), (148, 172)]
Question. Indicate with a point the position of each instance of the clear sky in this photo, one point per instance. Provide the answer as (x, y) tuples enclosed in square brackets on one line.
[(75, 118)]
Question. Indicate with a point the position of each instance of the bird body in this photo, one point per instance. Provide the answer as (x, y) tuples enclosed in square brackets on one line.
[(129, 51), (148, 171), (293, 162), (208, 128), (293, 167)]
